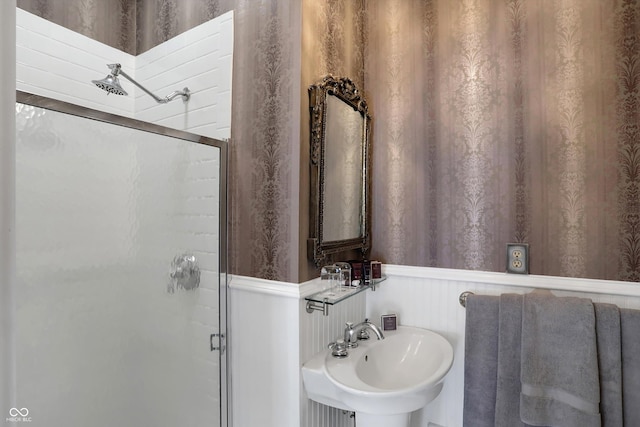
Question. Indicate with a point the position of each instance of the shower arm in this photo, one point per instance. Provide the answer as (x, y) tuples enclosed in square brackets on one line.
[(185, 93)]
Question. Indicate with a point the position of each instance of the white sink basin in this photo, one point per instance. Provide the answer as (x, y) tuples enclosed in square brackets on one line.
[(383, 381)]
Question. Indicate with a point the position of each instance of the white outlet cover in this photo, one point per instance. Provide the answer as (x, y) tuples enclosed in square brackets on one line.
[(518, 258)]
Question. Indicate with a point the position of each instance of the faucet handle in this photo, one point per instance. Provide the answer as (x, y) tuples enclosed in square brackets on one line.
[(339, 349), (350, 338), (363, 335), (336, 344)]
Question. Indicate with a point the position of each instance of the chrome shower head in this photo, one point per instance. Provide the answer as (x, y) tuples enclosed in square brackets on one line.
[(111, 84)]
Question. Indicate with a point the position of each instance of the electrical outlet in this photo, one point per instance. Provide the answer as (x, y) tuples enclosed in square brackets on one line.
[(518, 258)]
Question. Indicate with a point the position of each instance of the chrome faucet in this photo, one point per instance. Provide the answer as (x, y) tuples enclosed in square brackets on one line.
[(351, 333)]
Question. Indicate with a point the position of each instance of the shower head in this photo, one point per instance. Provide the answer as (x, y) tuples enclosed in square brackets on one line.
[(111, 84)]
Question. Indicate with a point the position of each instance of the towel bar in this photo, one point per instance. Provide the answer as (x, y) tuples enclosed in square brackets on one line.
[(462, 299)]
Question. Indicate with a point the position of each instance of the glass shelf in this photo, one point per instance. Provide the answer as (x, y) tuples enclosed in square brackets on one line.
[(322, 300)]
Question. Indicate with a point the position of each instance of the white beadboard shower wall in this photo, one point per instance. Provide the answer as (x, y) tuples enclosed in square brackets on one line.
[(56, 62)]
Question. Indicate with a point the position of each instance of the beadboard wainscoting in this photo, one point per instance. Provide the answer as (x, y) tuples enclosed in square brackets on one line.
[(316, 331), (271, 336), (428, 298)]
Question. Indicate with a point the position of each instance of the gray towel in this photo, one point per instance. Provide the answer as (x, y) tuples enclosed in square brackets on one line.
[(630, 327), (480, 361), (560, 384), (609, 363), (507, 412)]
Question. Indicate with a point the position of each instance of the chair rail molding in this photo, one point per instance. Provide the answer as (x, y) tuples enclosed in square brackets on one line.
[(575, 284)]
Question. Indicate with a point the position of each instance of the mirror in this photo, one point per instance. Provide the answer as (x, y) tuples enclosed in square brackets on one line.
[(340, 169)]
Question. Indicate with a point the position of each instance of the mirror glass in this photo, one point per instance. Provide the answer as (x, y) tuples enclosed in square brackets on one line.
[(342, 172), (339, 203)]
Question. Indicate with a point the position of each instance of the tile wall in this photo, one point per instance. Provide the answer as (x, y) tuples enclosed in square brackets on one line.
[(56, 62), (200, 59)]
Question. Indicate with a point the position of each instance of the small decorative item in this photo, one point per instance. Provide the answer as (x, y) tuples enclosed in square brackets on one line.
[(389, 322), (345, 274), (376, 270), (366, 271), (356, 269), (330, 277)]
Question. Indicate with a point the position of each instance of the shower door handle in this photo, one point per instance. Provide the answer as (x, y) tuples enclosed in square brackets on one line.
[(219, 345)]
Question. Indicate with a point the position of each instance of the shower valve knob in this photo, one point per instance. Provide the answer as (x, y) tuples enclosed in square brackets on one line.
[(184, 273)]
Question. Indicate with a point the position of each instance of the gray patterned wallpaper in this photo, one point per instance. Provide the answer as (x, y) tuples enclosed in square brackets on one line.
[(159, 20), (264, 149), (333, 42), (112, 22), (507, 121), (133, 26), (495, 121)]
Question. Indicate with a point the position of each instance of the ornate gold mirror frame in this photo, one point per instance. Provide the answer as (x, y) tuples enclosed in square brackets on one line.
[(339, 208)]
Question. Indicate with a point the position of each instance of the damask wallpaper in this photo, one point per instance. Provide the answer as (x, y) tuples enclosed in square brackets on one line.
[(265, 133), (112, 22), (159, 20), (133, 26), (494, 121), (506, 121), (333, 42)]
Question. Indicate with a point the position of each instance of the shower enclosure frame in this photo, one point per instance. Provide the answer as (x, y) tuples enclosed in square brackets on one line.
[(88, 113)]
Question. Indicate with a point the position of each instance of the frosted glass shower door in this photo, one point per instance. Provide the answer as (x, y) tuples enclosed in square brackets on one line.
[(105, 335)]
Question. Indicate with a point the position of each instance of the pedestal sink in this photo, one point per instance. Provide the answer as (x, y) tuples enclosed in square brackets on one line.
[(382, 381)]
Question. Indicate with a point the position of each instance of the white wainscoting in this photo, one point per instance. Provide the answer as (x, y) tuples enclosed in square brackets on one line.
[(272, 335), (428, 298), (316, 331)]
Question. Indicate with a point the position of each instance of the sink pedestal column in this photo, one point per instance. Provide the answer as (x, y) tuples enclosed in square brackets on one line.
[(371, 420)]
